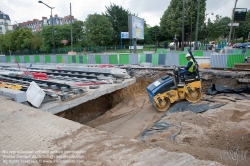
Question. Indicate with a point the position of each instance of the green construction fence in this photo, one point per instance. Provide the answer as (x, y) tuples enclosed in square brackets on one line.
[(234, 58), (123, 59)]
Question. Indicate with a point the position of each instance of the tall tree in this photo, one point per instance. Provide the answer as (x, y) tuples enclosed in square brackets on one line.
[(147, 35), (17, 39), (171, 21), (60, 33), (155, 34), (7, 43), (47, 38), (98, 30), (36, 41), (219, 28), (1, 44), (78, 32), (118, 16)]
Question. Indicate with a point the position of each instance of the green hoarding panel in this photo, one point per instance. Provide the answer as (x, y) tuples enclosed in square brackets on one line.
[(183, 61), (77, 59), (70, 59), (85, 59), (124, 58), (37, 58), (232, 59), (18, 59), (8, 59), (47, 59), (155, 59), (98, 59), (142, 58), (26, 58), (59, 59), (248, 52), (237, 51), (186, 49), (113, 59), (198, 53)]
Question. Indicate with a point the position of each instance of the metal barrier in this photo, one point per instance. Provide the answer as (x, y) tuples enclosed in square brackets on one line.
[(225, 60), (169, 59)]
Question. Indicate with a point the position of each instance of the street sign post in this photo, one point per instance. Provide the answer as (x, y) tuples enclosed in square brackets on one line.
[(234, 25), (124, 35), (240, 14)]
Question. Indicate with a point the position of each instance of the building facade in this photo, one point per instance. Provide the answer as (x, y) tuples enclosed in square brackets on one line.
[(36, 25), (5, 23)]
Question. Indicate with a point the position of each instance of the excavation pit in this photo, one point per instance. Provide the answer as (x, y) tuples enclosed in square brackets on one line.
[(220, 134)]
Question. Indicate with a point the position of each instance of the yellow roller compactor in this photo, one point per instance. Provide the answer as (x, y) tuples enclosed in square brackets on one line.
[(167, 90)]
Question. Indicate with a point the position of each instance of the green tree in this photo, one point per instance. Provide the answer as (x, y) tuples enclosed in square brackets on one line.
[(17, 40), (36, 41), (47, 39), (61, 32), (23, 38), (147, 35), (7, 43), (1, 44), (98, 30), (219, 28), (78, 32), (152, 35), (118, 16), (171, 21)]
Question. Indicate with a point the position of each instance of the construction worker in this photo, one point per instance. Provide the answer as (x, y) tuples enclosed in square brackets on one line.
[(188, 69)]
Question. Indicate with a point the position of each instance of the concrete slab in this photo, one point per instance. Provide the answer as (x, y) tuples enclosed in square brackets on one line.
[(29, 136), (60, 106), (18, 96), (81, 67)]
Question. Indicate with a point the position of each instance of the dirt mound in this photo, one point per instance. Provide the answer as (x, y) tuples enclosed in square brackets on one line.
[(221, 134)]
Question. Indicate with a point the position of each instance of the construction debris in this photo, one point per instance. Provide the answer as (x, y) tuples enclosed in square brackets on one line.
[(35, 95)]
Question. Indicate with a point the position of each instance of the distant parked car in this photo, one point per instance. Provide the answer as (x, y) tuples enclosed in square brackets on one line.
[(209, 46), (243, 45), (236, 45)]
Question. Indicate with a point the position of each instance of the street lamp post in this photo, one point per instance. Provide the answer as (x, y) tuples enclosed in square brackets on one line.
[(19, 48), (183, 12), (197, 23), (52, 25), (231, 27), (71, 34), (191, 33), (155, 40)]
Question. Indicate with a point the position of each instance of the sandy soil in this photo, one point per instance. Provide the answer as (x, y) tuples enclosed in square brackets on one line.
[(129, 118), (221, 134)]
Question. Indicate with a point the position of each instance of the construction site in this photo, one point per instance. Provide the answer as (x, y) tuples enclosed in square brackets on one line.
[(102, 114)]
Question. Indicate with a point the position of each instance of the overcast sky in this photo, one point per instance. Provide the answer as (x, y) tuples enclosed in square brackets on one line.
[(150, 10)]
